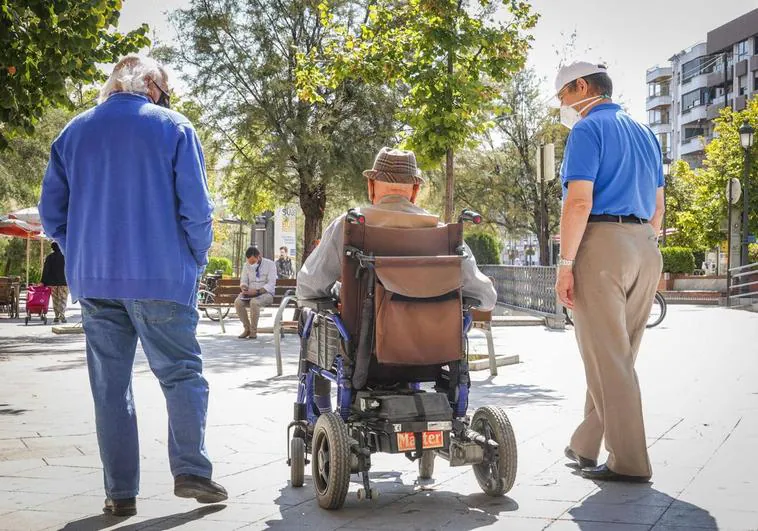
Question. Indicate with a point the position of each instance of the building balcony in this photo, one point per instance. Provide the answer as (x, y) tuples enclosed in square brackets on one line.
[(692, 145), (740, 102), (714, 109), (693, 114), (754, 62), (658, 73), (693, 83), (716, 79), (664, 100), (660, 127)]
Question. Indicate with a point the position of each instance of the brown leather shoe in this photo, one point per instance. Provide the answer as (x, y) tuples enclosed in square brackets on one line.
[(123, 507), (202, 489), (581, 462), (252, 335), (245, 333), (603, 473)]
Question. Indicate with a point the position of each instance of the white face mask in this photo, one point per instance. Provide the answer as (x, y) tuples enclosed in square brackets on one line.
[(570, 116)]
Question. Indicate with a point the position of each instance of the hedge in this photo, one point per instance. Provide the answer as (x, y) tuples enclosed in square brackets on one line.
[(216, 263), (485, 246), (679, 260)]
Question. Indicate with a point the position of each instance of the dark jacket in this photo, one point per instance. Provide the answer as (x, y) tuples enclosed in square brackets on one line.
[(54, 272)]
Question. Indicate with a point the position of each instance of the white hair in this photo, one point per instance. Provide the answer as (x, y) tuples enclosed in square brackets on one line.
[(131, 74)]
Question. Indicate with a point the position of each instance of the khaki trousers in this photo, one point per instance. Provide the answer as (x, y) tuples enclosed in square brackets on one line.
[(616, 274), (254, 304), (59, 295)]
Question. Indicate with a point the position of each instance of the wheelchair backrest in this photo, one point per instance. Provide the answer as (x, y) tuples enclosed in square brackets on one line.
[(417, 306)]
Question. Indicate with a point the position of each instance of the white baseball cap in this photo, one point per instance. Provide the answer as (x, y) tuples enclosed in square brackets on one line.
[(575, 70)]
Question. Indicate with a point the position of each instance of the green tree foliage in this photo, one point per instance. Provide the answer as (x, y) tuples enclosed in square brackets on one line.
[(240, 57), (502, 183), (446, 57), (485, 246), (45, 45), (699, 208), (216, 263)]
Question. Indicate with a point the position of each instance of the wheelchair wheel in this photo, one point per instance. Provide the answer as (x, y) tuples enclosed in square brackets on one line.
[(657, 312), (331, 461), (426, 465), (497, 473), (297, 462)]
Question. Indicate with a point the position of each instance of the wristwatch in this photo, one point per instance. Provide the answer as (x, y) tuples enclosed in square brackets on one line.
[(564, 262)]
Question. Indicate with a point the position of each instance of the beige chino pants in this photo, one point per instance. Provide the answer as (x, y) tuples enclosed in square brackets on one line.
[(616, 274)]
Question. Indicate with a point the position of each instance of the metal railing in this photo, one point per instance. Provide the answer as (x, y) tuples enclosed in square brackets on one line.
[(528, 289), (742, 285)]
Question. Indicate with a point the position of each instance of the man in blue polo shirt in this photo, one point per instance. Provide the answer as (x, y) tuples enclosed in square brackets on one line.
[(610, 264)]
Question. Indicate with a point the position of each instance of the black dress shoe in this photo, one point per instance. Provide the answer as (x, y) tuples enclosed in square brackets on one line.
[(603, 473), (581, 462), (122, 507), (202, 489)]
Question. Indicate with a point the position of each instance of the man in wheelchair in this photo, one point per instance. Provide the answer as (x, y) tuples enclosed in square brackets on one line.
[(407, 283)]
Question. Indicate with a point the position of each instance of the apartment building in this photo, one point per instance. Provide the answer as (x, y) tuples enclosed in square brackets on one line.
[(687, 94)]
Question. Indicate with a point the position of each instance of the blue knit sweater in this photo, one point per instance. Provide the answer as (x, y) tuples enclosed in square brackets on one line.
[(126, 196)]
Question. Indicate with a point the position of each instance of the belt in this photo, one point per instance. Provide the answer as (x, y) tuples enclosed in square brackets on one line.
[(609, 218)]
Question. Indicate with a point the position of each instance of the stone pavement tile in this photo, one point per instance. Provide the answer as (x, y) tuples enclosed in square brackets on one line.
[(610, 493), (509, 507), (485, 521), (53, 472), (680, 451), (423, 511), (614, 513), (309, 515), (682, 514), (83, 483), (555, 492), (28, 520), (193, 525), (78, 461), (673, 479), (9, 445), (567, 525), (103, 521), (16, 501), (10, 468)]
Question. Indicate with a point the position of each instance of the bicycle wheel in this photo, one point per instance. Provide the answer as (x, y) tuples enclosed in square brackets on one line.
[(657, 312)]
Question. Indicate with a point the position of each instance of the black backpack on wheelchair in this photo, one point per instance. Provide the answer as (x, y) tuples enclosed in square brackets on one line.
[(400, 321)]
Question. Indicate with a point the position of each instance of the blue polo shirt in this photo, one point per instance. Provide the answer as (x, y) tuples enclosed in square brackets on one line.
[(620, 156)]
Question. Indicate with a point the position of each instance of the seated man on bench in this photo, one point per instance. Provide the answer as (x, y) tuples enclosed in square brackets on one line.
[(393, 184)]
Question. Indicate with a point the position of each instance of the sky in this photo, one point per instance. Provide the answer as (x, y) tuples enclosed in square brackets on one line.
[(630, 36)]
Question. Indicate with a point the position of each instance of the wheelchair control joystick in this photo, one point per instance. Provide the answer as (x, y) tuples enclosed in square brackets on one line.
[(470, 216), (353, 216)]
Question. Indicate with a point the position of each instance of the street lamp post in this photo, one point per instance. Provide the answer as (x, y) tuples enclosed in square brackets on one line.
[(746, 139), (666, 174)]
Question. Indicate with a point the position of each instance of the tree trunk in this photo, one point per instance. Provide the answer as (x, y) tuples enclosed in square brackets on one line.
[(312, 203), (449, 186)]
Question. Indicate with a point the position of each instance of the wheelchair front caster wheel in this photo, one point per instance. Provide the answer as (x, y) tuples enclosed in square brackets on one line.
[(497, 473), (297, 462), (362, 494)]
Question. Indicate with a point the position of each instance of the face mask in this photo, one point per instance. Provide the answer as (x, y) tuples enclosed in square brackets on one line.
[(164, 100), (570, 116)]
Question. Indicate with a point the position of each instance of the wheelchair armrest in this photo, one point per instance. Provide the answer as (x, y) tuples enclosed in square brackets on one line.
[(470, 303), (318, 305)]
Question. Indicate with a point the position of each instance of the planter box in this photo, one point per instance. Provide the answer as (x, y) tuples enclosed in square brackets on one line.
[(666, 283)]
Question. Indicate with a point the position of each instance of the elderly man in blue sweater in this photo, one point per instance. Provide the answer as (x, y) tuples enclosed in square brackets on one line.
[(125, 196)]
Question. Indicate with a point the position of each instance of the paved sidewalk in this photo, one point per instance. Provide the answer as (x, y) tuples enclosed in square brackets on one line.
[(699, 374)]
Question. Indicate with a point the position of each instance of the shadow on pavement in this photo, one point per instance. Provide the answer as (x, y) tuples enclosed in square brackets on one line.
[(5, 409), (29, 345), (104, 521), (513, 394), (604, 506), (274, 385)]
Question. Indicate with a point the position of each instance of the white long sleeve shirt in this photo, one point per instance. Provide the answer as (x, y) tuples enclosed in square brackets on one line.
[(265, 279), (324, 265)]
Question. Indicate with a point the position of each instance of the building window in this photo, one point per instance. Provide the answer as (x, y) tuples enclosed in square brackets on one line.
[(658, 89), (694, 98), (693, 132), (696, 67), (658, 116), (742, 52), (755, 81), (741, 85), (663, 139)]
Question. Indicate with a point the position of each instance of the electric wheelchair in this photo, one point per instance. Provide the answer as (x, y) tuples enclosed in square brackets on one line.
[(400, 321)]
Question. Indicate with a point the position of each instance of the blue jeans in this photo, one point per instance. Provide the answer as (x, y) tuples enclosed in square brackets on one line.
[(167, 333)]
